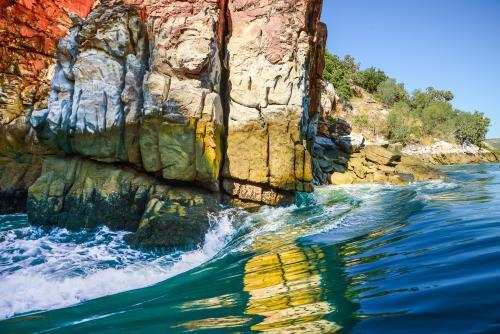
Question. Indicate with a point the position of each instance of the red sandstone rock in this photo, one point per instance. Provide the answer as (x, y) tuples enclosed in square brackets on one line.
[(29, 33), (274, 53)]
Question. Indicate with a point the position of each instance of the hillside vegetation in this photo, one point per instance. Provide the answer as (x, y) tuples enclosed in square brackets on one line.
[(412, 117), (494, 143)]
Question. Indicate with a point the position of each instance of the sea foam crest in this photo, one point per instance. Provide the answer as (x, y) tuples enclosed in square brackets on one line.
[(43, 271)]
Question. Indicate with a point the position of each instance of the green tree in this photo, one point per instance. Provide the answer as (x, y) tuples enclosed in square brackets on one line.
[(436, 117), (370, 78), (340, 72), (471, 127), (441, 95), (390, 92), (398, 128)]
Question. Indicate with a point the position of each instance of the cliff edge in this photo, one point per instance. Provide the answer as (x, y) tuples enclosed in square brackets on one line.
[(154, 110)]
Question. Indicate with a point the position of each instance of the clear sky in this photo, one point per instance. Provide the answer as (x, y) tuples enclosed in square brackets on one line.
[(447, 44)]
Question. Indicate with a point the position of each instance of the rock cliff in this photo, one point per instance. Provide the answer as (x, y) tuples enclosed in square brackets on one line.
[(275, 59), (119, 96), (29, 35)]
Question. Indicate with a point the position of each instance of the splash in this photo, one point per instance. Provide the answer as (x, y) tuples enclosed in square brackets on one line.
[(42, 271)]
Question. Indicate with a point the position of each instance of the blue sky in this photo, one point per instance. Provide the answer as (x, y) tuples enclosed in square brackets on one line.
[(447, 44)]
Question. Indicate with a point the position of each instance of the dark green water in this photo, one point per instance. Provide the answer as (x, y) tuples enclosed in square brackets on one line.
[(359, 259)]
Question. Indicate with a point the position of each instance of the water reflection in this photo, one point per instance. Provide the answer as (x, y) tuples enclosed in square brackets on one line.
[(223, 301), (285, 287), (288, 285), (213, 323)]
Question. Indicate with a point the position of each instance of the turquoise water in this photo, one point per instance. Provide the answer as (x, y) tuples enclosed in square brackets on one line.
[(354, 259)]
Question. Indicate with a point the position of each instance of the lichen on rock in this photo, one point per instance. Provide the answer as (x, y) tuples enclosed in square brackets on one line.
[(80, 193), (138, 99), (274, 62)]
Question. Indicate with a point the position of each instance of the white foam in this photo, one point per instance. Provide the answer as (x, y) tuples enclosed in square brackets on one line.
[(67, 273)]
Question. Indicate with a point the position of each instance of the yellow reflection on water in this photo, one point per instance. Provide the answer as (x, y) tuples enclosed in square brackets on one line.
[(213, 323), (284, 284), (285, 288), (211, 303)]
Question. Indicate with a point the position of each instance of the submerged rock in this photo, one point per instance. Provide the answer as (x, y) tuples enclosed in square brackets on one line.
[(79, 193)]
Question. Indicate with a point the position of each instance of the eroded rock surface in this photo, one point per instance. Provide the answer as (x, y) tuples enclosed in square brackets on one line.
[(141, 91), (128, 94), (76, 193), (29, 35), (274, 58)]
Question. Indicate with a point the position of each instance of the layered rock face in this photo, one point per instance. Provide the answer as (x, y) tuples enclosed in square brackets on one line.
[(130, 94), (29, 34), (113, 101), (274, 58), (145, 85)]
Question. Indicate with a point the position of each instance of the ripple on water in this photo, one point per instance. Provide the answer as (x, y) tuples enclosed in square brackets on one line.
[(42, 270), (364, 258)]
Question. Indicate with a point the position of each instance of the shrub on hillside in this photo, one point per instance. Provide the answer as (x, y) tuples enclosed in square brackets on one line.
[(398, 125), (340, 72), (471, 127), (370, 79), (390, 92), (361, 121)]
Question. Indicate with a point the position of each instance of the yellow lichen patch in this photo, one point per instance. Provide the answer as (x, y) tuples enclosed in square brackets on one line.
[(177, 209)]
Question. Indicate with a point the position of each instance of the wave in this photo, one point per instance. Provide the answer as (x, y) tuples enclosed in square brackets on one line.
[(43, 271)]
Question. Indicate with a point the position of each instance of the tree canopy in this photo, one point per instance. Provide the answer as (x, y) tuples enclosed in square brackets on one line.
[(413, 116)]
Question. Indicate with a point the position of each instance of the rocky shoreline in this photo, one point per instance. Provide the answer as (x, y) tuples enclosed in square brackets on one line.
[(443, 153), (368, 164), (142, 115), (146, 116)]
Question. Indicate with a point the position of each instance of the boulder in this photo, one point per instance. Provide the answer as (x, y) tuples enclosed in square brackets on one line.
[(343, 178), (381, 156), (339, 127), (78, 193), (352, 143)]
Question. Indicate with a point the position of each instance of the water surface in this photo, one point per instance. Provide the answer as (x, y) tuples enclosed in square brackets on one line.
[(350, 259)]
